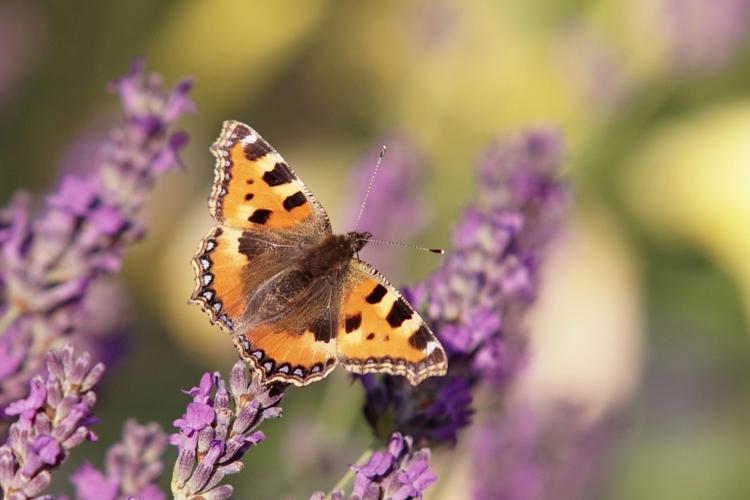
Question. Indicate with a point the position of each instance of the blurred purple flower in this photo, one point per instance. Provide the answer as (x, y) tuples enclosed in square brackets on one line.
[(217, 429), (395, 192), (49, 263), (476, 300), (703, 36), (104, 319), (132, 465), (396, 472), (52, 420), (91, 483), (520, 454)]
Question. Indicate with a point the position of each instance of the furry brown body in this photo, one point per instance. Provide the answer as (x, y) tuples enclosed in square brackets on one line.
[(332, 254)]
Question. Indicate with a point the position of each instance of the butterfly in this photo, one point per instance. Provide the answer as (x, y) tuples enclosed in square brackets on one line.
[(296, 297)]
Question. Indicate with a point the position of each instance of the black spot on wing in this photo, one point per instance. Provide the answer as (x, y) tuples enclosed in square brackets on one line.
[(257, 149), (399, 313), (249, 196), (352, 322), (260, 216), (279, 175), (377, 294), (294, 201), (437, 356), (419, 339), (370, 336)]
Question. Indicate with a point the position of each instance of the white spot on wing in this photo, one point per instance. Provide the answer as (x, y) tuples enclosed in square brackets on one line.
[(249, 139), (430, 347)]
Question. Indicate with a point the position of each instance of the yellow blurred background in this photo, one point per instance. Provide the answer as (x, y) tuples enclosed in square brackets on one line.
[(645, 296)]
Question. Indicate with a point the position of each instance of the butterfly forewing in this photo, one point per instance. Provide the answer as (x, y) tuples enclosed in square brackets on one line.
[(254, 188)]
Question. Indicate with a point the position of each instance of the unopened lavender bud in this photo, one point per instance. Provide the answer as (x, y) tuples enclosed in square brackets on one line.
[(93, 377), (79, 436), (38, 484)]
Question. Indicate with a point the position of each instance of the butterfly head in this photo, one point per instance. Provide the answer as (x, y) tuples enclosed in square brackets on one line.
[(358, 240)]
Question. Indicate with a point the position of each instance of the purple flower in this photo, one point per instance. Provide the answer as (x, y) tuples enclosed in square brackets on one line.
[(132, 466), (27, 408), (54, 419), (397, 472), (49, 263), (219, 426), (476, 300), (197, 417), (46, 448), (202, 392)]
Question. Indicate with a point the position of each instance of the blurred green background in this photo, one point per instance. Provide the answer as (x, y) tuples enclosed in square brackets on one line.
[(644, 310)]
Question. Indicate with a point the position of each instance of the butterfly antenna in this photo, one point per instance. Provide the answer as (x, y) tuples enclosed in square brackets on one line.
[(407, 245), (369, 186)]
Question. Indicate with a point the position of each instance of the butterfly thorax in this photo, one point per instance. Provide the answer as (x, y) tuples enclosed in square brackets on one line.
[(333, 253)]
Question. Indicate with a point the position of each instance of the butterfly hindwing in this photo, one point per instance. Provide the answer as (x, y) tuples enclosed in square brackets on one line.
[(297, 348), (230, 262), (254, 188), (285, 357), (379, 331)]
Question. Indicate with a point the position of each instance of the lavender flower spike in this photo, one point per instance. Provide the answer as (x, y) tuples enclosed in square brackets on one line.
[(217, 429), (397, 473), (132, 465), (476, 301), (53, 420), (48, 262)]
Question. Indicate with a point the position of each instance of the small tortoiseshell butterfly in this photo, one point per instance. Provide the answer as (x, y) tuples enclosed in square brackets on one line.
[(296, 297)]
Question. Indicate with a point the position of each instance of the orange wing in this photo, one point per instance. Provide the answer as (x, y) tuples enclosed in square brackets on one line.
[(380, 332), (264, 210), (218, 265), (255, 189), (285, 357)]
